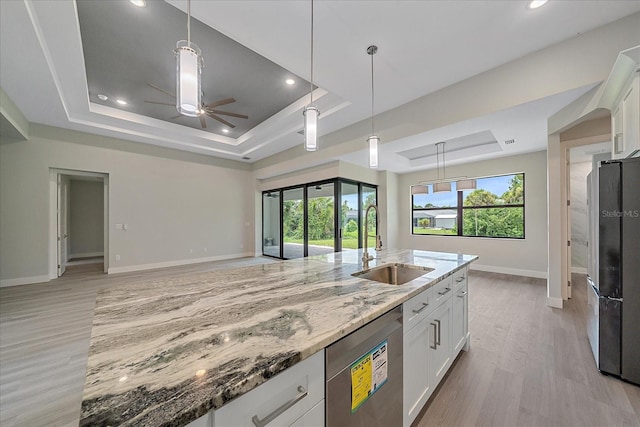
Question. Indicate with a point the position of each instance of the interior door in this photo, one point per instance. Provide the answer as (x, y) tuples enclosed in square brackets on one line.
[(63, 195)]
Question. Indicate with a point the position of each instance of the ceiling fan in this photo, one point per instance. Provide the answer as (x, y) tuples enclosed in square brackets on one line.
[(206, 109)]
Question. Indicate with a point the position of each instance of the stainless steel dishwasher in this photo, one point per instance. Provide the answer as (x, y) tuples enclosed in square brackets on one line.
[(364, 375)]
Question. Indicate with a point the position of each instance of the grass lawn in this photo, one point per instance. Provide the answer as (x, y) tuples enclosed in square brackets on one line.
[(346, 243), (420, 230)]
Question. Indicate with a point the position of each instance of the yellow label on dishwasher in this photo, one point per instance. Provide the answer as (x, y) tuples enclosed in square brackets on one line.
[(368, 374)]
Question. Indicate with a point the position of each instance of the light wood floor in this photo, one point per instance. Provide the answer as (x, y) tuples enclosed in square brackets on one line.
[(529, 365)]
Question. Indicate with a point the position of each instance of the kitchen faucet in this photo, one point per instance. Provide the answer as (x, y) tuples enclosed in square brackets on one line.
[(365, 256)]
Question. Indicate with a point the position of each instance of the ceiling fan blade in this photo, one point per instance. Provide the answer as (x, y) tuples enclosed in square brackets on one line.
[(225, 101), (203, 122), (226, 113), (159, 103), (161, 90), (221, 120)]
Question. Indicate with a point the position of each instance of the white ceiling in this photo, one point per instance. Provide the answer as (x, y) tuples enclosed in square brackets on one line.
[(423, 46)]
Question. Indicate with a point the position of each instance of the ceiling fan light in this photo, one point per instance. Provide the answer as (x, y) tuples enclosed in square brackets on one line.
[(442, 187), (419, 189), (311, 114), (188, 78), (466, 184), (373, 151)]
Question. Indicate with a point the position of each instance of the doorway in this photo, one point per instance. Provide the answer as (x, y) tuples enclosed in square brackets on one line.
[(78, 221)]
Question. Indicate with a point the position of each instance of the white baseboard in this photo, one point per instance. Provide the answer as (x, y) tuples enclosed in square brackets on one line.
[(579, 270), (141, 267), (24, 280), (554, 302), (86, 255), (513, 271)]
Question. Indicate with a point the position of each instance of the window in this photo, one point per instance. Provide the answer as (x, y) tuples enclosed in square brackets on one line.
[(494, 209)]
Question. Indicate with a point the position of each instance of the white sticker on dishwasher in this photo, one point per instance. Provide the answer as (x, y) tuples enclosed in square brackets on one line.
[(368, 374)]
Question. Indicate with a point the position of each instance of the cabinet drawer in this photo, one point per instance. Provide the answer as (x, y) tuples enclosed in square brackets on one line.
[(416, 309), (442, 291), (281, 400), (459, 279)]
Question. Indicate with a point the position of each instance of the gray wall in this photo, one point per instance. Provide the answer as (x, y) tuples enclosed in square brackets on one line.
[(175, 204), (86, 218)]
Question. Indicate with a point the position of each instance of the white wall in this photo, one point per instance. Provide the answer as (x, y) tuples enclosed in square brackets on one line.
[(526, 256), (175, 204), (86, 218), (579, 223)]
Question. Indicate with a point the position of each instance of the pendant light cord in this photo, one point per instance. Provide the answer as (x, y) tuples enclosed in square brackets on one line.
[(372, 96), (311, 83), (189, 22)]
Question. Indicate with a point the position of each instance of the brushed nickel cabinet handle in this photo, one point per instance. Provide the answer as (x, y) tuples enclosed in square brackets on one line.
[(460, 279), (435, 332), (275, 414), (463, 294), (445, 291), (418, 311)]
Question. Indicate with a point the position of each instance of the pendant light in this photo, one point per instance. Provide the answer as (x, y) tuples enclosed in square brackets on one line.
[(189, 65), (466, 184), (311, 112), (373, 140), (419, 189), (441, 186)]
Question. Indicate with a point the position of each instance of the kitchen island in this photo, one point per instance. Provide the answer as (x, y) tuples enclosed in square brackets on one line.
[(166, 352)]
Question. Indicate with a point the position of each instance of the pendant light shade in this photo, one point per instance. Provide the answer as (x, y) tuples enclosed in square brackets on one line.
[(466, 184), (373, 151), (311, 114), (373, 139), (188, 78), (441, 187), (419, 189), (188, 73)]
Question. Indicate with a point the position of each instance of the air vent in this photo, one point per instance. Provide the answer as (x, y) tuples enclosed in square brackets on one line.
[(509, 141), (246, 158)]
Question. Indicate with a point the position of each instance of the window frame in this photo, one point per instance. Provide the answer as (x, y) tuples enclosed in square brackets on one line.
[(460, 209)]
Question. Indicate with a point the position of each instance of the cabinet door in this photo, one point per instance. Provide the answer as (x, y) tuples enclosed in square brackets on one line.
[(459, 320), (439, 342), (631, 118), (617, 149), (313, 418), (415, 371)]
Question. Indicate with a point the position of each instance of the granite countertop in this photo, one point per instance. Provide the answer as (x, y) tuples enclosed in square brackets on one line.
[(166, 351)]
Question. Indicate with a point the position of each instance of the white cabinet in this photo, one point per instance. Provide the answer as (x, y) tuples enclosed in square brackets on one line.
[(293, 397), (625, 120), (459, 313), (440, 356), (435, 330), (416, 385)]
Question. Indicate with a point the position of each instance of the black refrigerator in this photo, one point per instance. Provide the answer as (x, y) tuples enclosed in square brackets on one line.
[(616, 289)]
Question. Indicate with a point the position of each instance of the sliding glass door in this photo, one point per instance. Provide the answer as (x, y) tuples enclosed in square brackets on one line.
[(293, 223), (321, 230), (307, 220)]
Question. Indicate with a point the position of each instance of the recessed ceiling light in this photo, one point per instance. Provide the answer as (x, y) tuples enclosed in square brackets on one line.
[(290, 81), (225, 130), (139, 3), (102, 97), (121, 101), (537, 3)]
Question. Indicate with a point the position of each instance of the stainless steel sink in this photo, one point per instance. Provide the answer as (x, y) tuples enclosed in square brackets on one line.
[(393, 274)]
